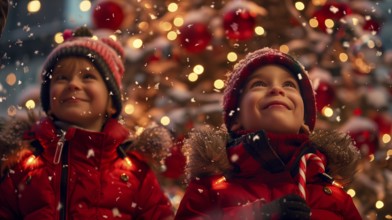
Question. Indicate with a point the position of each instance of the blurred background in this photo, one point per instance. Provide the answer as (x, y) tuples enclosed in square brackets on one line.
[(178, 52)]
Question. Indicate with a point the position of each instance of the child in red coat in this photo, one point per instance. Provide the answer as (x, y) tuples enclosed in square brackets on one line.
[(268, 162), (75, 163)]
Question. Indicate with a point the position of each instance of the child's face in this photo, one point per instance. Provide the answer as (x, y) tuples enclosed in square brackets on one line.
[(271, 101), (78, 94)]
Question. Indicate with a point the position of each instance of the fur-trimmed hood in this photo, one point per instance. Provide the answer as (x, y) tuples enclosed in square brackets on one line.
[(153, 144), (206, 153)]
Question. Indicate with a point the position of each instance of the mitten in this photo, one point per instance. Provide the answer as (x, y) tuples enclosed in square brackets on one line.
[(287, 207)]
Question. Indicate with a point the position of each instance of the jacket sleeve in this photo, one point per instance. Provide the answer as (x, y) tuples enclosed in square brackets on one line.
[(200, 202), (350, 211), (153, 203), (8, 199)]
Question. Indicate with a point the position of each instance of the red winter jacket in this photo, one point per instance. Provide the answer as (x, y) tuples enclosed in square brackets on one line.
[(241, 193), (86, 179)]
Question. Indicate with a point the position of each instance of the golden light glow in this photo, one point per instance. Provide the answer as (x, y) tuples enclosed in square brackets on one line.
[(219, 84), (11, 111), (137, 43), (178, 21), (343, 57), (30, 160), (313, 23), (172, 35), (139, 131), (33, 6), (94, 37), (379, 204), (165, 120), (318, 2), (198, 69), (371, 157), (11, 79), (329, 23), (327, 111), (351, 192), (30, 104), (371, 44), (389, 154), (299, 6), (128, 161), (85, 5), (113, 37), (129, 109), (232, 57), (284, 48), (172, 7), (58, 38), (193, 77), (165, 26), (259, 30), (386, 138), (143, 26)]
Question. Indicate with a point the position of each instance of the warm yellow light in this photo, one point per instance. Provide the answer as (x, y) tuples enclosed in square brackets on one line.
[(172, 35), (11, 79), (299, 6), (386, 138), (172, 7), (30, 104), (165, 120), (318, 2), (129, 109), (343, 57), (94, 37), (33, 6), (371, 157), (379, 204), (198, 69), (85, 5), (371, 44), (351, 192), (327, 111), (232, 56), (137, 43), (143, 26), (193, 77), (165, 26), (58, 38), (313, 23), (11, 110), (284, 48), (219, 84), (113, 37), (139, 131), (178, 21), (329, 23), (259, 30)]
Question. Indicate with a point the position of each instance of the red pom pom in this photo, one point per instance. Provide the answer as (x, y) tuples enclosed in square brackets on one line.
[(108, 15), (195, 37), (239, 24), (325, 95), (67, 34)]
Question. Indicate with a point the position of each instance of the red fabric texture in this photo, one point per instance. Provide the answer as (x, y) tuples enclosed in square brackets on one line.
[(95, 189), (241, 195)]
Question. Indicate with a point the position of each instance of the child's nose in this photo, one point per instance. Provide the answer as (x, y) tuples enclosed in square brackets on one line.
[(74, 83), (276, 90)]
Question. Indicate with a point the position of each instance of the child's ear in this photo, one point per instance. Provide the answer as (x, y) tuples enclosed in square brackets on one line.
[(110, 111), (304, 129), (236, 125)]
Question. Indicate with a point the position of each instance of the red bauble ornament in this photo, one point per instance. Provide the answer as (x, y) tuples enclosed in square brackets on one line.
[(108, 15), (333, 11), (372, 25), (384, 124), (325, 95), (195, 37), (239, 24), (366, 140), (175, 162)]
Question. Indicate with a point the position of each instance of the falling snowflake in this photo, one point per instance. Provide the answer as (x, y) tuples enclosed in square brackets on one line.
[(90, 153)]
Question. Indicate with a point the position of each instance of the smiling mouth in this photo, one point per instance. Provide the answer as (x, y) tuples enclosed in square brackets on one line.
[(276, 105)]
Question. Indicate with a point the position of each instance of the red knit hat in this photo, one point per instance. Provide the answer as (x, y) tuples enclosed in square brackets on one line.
[(106, 55), (237, 78)]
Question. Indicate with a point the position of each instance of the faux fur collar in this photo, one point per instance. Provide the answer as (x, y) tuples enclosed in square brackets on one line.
[(206, 154)]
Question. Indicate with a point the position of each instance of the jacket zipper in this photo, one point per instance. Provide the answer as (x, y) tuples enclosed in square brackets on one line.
[(62, 154)]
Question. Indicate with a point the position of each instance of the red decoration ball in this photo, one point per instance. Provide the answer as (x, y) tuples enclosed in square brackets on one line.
[(325, 95), (239, 24), (365, 140), (384, 124), (108, 15), (372, 25), (334, 11), (195, 37)]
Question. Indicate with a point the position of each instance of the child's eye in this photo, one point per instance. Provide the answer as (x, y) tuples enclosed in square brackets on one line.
[(59, 77), (290, 84), (258, 84), (89, 76)]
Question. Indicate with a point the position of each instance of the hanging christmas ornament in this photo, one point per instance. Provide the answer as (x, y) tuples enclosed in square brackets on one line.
[(329, 15), (239, 19), (194, 37), (325, 95), (364, 134), (371, 24), (384, 123), (108, 15)]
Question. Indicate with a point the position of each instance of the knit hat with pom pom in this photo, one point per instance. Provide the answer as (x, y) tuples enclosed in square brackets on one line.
[(105, 53), (237, 79)]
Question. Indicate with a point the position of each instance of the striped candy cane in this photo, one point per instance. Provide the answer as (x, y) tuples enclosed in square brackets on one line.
[(302, 170)]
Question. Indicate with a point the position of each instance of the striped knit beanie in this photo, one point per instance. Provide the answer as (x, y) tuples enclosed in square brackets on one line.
[(106, 55), (237, 78)]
